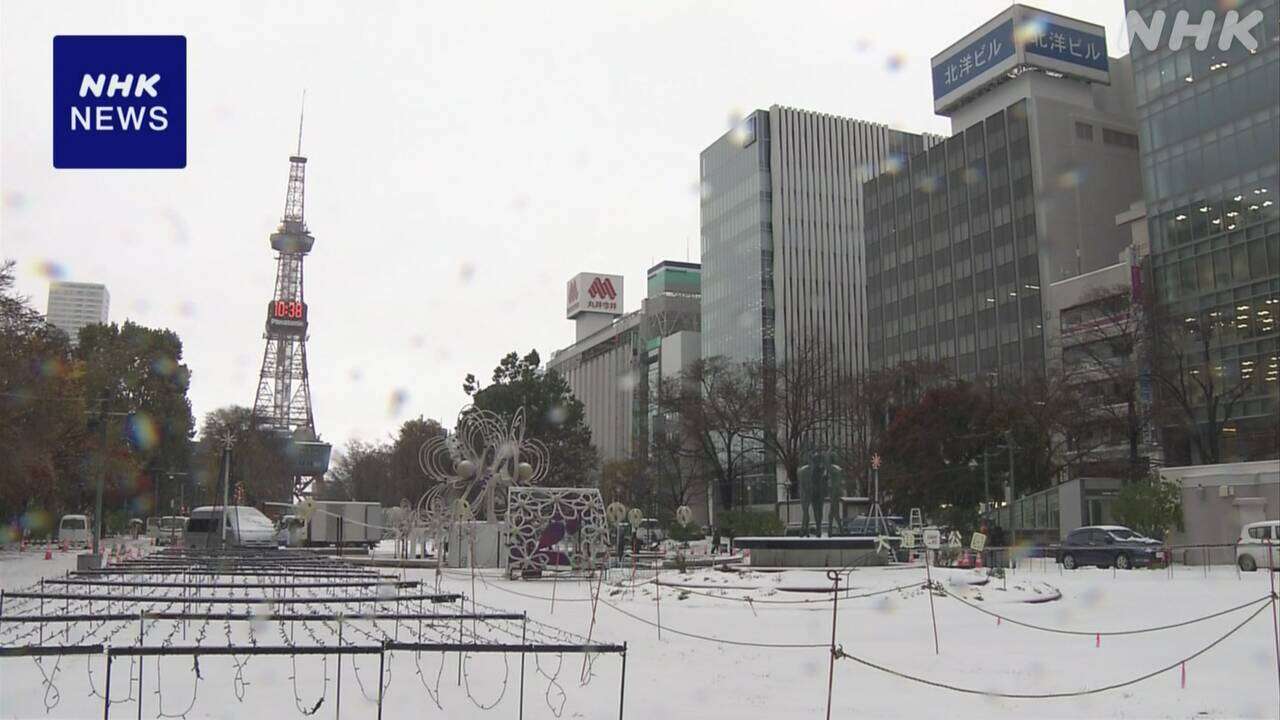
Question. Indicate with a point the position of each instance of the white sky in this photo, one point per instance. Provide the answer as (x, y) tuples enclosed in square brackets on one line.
[(465, 160)]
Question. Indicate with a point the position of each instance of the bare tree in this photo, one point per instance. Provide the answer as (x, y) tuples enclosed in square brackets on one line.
[(1101, 338), (1196, 384), (802, 409), (717, 406)]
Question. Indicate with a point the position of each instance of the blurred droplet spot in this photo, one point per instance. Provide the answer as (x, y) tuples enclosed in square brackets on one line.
[(142, 430), (466, 272), (557, 414), (51, 270), (15, 201), (395, 403), (895, 62)]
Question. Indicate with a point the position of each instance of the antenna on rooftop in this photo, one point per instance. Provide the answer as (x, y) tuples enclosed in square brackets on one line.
[(302, 111)]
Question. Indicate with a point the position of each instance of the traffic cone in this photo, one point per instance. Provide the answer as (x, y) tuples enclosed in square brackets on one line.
[(48, 552)]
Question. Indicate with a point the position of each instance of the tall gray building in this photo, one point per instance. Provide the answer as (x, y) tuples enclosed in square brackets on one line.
[(782, 232), (73, 305), (1209, 129), (782, 249), (963, 239)]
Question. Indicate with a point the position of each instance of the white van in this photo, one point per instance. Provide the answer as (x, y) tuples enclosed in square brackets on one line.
[(246, 527), (166, 530), (74, 530), (1251, 548)]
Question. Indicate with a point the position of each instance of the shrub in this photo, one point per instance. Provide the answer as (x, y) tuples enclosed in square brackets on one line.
[(746, 523)]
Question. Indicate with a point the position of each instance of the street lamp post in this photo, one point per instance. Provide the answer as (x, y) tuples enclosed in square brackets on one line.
[(102, 414)]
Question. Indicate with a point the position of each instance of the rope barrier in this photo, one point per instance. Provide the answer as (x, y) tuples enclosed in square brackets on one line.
[(722, 641), (1105, 633), (842, 655)]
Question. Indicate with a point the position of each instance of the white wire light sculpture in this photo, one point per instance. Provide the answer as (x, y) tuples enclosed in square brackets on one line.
[(471, 469)]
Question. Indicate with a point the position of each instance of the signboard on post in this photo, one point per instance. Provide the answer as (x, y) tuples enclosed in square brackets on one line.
[(908, 539), (932, 538), (953, 539), (978, 542)]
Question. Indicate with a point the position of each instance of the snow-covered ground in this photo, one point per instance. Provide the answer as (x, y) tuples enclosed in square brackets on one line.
[(680, 676)]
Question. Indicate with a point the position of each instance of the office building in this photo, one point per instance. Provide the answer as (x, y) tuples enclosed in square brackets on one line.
[(963, 238), (782, 232), (73, 305), (1209, 133), (618, 358), (782, 249)]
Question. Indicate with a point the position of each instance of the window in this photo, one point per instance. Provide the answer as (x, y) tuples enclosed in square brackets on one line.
[(1260, 533), (1084, 131), (1115, 137)]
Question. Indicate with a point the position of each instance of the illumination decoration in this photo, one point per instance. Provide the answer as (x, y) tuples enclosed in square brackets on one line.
[(555, 526)]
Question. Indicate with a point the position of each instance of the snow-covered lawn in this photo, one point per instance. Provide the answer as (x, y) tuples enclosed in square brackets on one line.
[(681, 676)]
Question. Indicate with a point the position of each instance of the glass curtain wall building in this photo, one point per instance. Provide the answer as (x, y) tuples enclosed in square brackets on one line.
[(1209, 129), (782, 251)]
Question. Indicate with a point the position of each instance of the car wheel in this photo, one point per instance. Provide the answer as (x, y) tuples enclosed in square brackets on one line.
[(1122, 562), (1069, 561), (1247, 563)]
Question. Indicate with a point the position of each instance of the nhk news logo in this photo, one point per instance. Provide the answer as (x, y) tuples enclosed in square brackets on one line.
[(119, 101)]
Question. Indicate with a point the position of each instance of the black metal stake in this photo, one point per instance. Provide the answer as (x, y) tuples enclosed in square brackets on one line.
[(460, 622), (929, 589), (106, 698), (622, 688), (834, 577), (382, 657), (337, 703), (523, 626)]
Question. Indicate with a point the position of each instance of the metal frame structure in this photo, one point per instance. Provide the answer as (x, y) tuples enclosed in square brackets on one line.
[(283, 400), (182, 602)]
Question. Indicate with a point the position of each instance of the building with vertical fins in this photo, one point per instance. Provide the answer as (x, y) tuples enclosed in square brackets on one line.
[(782, 241)]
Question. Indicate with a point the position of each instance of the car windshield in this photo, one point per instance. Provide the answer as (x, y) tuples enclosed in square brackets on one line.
[(252, 518), (73, 524)]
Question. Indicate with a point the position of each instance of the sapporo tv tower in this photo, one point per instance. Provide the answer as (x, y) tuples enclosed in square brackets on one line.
[(283, 403)]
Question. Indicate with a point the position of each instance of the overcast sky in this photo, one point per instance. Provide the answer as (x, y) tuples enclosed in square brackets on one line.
[(465, 159)]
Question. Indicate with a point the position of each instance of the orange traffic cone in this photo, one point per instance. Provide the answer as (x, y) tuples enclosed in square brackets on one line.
[(48, 553)]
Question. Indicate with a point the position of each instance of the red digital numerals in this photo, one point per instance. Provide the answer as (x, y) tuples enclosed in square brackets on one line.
[(288, 310)]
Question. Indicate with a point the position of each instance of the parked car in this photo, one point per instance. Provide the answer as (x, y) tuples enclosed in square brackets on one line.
[(1251, 548), (166, 530), (74, 529), (245, 527), (650, 532), (1108, 545), (865, 526), (291, 531)]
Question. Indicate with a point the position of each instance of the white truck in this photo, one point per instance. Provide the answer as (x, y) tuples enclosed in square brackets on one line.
[(342, 522)]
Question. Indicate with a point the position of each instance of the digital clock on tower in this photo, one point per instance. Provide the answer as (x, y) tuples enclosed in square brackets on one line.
[(288, 316)]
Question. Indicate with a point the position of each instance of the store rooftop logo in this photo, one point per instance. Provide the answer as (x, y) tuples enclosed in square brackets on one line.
[(1234, 29), (602, 288), (119, 101)]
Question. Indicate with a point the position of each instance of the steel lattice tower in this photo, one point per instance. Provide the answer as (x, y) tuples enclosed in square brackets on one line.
[(283, 401)]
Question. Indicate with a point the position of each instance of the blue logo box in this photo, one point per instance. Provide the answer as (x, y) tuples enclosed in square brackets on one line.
[(119, 101)]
